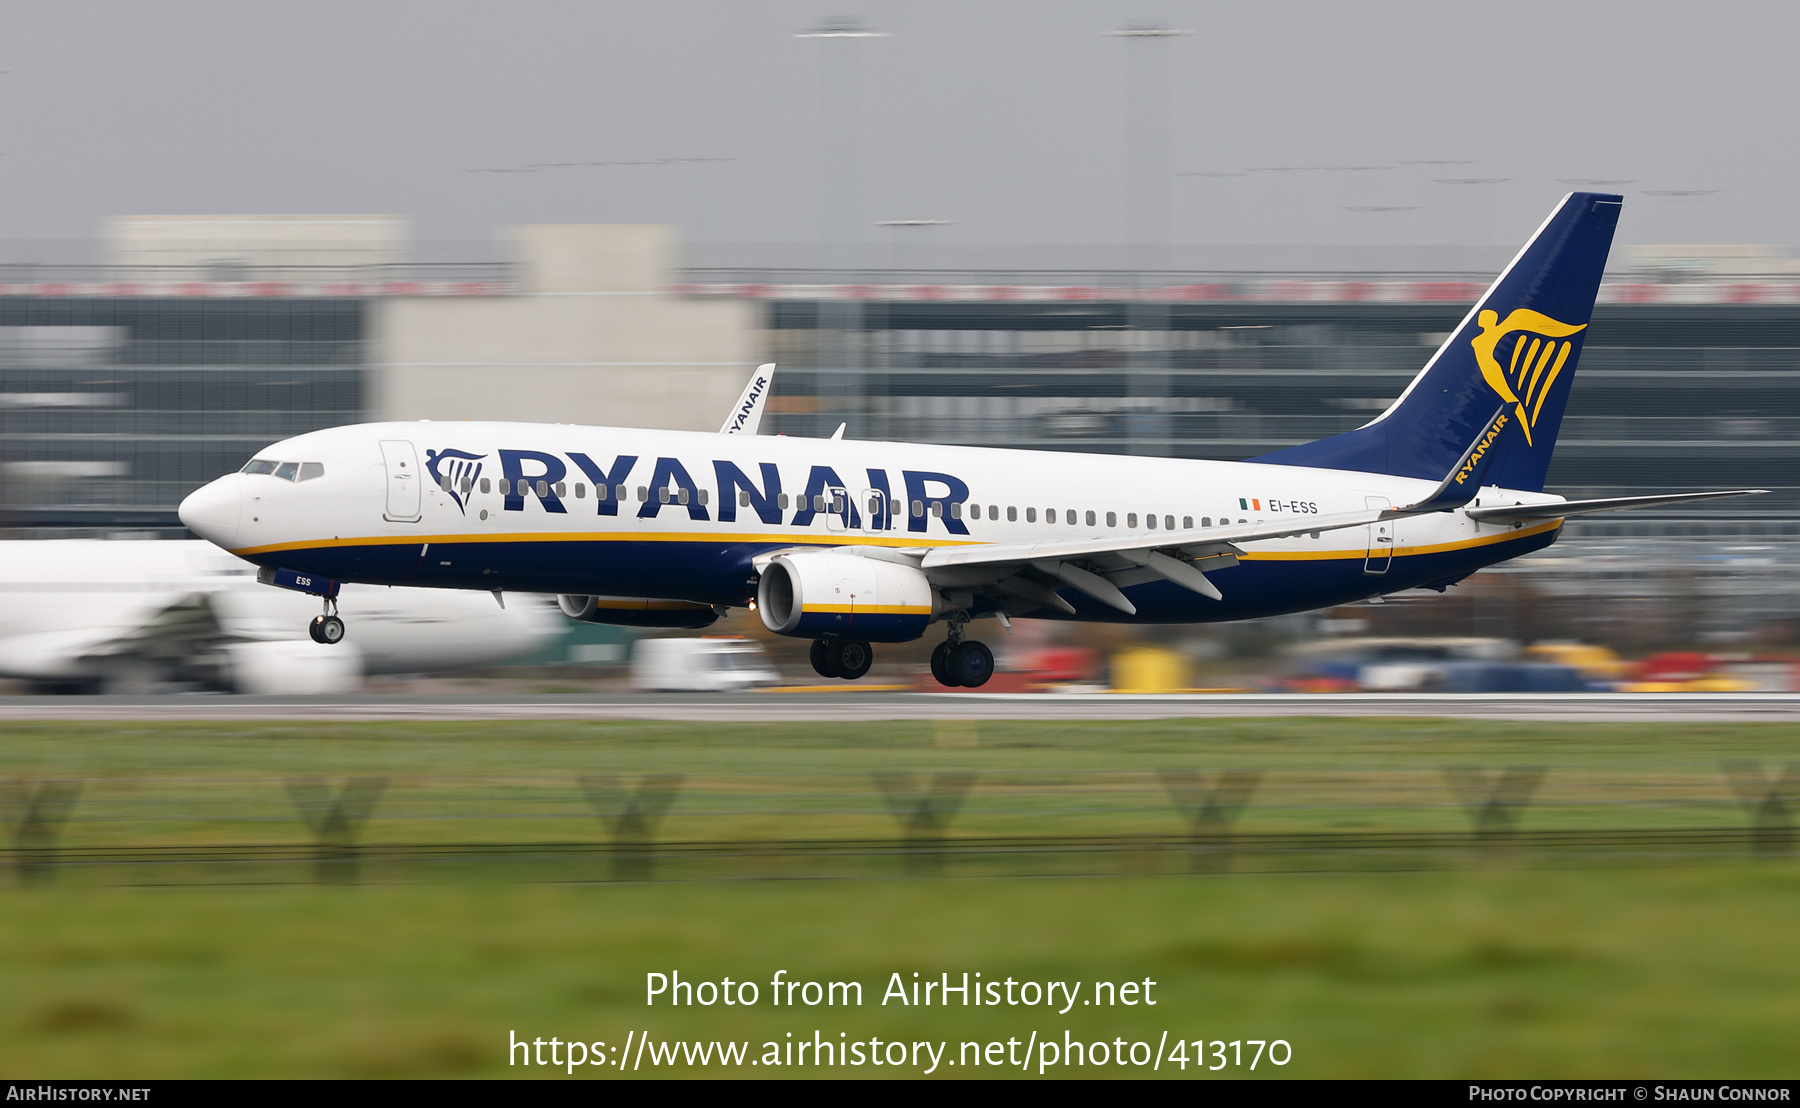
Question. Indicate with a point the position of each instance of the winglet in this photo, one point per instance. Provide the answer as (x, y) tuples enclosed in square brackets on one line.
[(746, 417)]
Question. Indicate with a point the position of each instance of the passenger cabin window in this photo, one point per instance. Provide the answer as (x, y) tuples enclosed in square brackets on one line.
[(643, 494), (1131, 519), (484, 485), (1187, 523), (505, 487), (662, 495), (1169, 522), (1150, 522), (1090, 517), (1069, 517), (782, 500), (1206, 521), (937, 509), (1112, 519), (682, 496), (562, 489), (1031, 515), (467, 484), (956, 510), (743, 498), (543, 488), (918, 509)]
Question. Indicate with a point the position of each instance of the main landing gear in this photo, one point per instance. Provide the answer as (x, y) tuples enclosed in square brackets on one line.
[(845, 658), (961, 663), (327, 628)]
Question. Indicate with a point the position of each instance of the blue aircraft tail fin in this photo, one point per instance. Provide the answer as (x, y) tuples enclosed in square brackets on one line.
[(1517, 347)]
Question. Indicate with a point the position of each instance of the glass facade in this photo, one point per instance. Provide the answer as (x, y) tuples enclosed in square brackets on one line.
[(1668, 397), (113, 409)]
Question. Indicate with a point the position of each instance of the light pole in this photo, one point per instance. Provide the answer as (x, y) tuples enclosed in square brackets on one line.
[(840, 192), (884, 351), (1485, 221), (1147, 231), (1672, 201)]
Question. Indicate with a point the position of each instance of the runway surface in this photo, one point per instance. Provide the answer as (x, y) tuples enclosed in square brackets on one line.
[(776, 707)]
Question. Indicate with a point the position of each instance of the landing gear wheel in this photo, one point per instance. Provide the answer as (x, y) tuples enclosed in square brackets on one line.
[(327, 629), (850, 658), (971, 664), (940, 666), (822, 662)]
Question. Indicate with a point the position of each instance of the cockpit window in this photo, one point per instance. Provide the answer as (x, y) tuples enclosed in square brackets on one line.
[(286, 471)]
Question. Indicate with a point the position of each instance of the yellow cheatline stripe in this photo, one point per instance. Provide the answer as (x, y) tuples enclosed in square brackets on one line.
[(1551, 380), (1399, 552), (841, 539), (831, 538), (870, 609)]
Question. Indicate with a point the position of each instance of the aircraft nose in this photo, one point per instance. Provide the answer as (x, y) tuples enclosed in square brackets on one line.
[(212, 510)]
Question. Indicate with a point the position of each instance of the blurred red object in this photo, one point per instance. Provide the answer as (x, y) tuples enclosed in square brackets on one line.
[(1678, 666), (1059, 663)]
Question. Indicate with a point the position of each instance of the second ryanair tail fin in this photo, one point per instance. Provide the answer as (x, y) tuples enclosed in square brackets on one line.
[(1517, 348)]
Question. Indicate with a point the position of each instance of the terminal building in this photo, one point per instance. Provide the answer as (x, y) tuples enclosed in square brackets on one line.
[(127, 381)]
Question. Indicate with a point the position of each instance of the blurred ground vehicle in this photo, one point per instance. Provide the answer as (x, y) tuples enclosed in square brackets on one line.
[(700, 665)]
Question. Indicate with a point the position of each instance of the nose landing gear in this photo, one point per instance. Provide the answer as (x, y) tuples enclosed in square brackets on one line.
[(327, 628), (961, 663)]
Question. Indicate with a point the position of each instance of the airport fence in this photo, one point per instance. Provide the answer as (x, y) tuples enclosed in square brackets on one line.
[(200, 829)]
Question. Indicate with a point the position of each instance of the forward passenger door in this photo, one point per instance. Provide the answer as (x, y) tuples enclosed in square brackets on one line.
[(403, 481)]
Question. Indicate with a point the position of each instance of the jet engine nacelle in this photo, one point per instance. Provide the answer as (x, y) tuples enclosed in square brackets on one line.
[(830, 592), (638, 611)]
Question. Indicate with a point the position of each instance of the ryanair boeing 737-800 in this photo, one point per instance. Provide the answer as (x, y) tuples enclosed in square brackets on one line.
[(850, 543)]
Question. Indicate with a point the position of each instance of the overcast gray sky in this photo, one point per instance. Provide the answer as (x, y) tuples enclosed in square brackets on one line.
[(1003, 115)]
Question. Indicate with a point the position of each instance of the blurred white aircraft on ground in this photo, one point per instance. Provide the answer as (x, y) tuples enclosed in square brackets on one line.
[(91, 615)]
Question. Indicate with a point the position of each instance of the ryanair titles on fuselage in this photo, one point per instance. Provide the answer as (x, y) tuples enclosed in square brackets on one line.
[(539, 473)]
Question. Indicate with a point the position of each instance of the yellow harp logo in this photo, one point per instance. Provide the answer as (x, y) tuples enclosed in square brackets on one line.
[(1537, 358)]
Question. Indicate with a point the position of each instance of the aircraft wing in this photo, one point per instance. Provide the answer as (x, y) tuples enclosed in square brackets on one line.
[(1561, 508), (1099, 566), (1194, 542)]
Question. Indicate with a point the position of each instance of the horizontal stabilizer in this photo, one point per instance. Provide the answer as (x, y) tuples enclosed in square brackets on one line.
[(1561, 508)]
